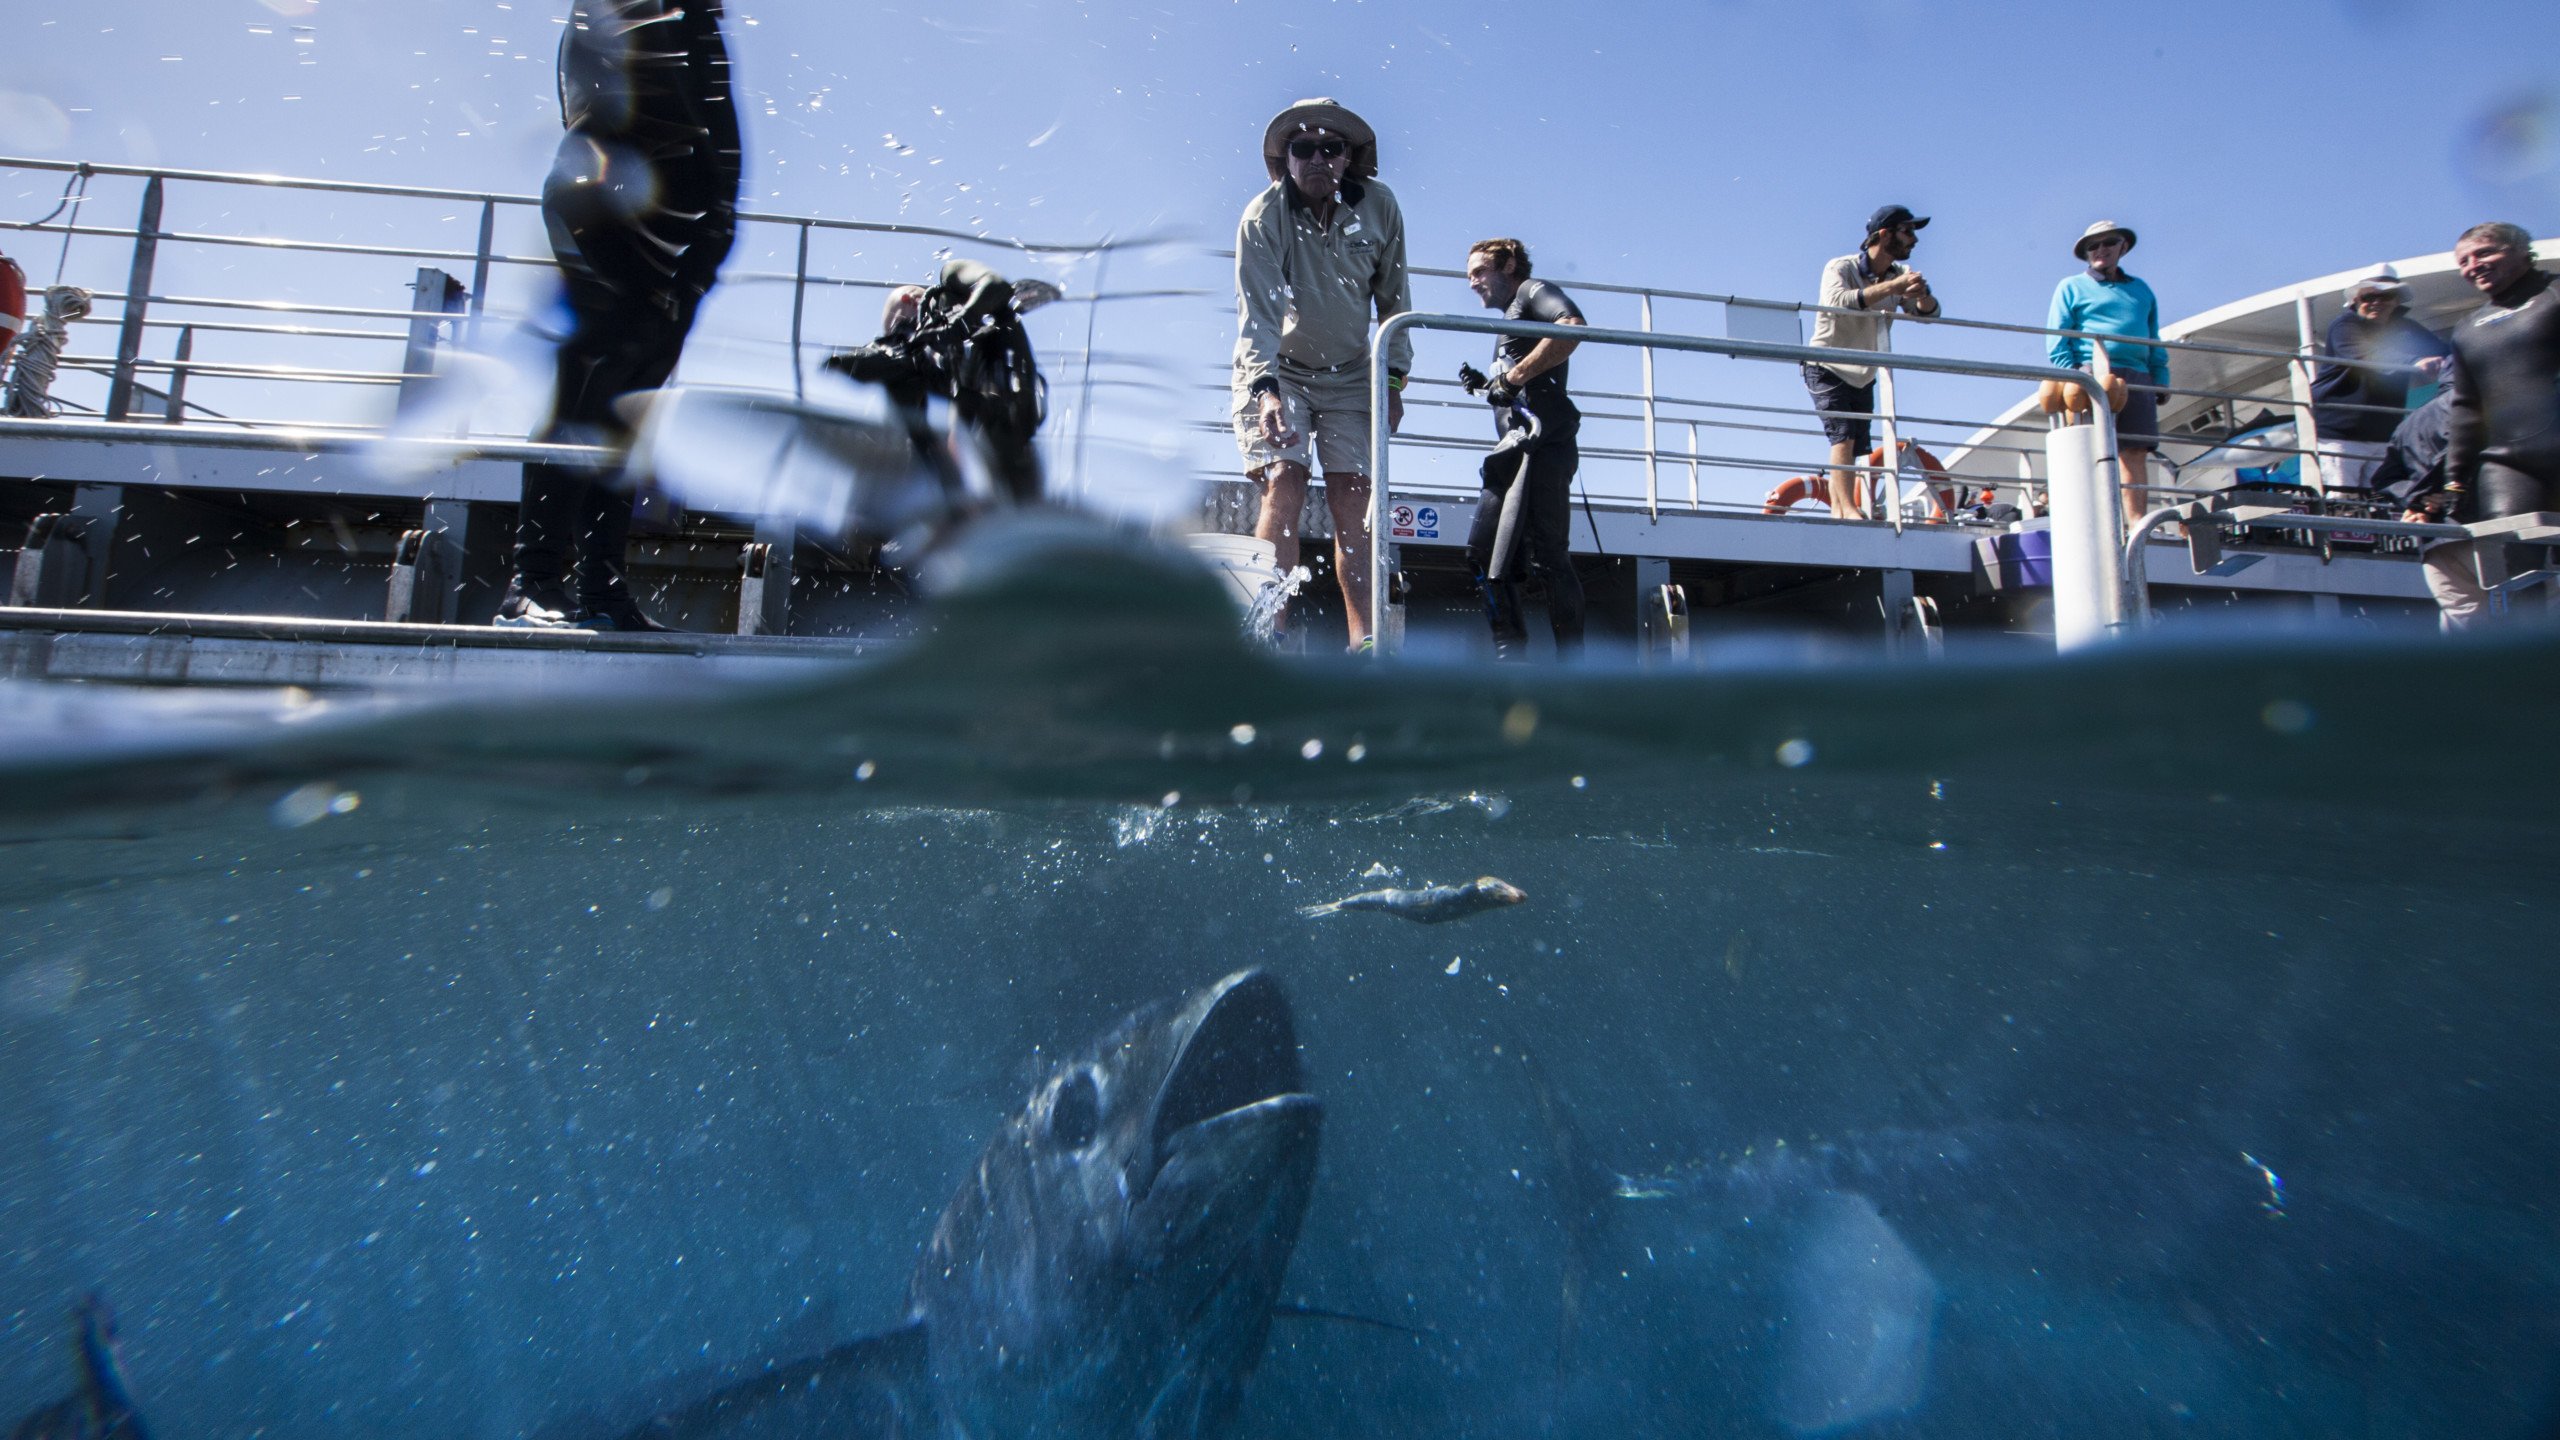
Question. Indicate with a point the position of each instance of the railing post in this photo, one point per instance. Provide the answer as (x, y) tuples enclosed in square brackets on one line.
[(799, 308), (137, 301), (177, 408), (2084, 491), (1891, 476), (1693, 465), (1388, 637), (2306, 426), (480, 265), (1652, 478)]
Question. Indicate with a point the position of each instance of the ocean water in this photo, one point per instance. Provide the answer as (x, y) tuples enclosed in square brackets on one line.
[(2154, 1043)]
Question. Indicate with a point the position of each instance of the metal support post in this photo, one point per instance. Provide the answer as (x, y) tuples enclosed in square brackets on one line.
[(799, 308), (432, 296), (2306, 426), (1889, 479), (1893, 600), (480, 265), (1652, 475), (2086, 494), (766, 592), (175, 412), (137, 302), (96, 512)]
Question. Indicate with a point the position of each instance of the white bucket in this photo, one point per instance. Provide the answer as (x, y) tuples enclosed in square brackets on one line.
[(1249, 565)]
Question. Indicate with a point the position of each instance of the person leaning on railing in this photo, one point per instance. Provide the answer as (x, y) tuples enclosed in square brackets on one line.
[(2502, 433), (2356, 407), (2104, 300), (1872, 278)]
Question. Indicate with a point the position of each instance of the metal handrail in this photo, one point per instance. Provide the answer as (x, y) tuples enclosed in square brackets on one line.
[(2108, 606), (496, 197), (314, 441)]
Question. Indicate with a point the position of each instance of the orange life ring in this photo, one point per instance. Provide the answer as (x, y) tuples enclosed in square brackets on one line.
[(1794, 491), (13, 302), (1942, 491)]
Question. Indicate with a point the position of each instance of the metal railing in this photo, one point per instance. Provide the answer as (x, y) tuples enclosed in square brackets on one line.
[(137, 310), (2089, 592)]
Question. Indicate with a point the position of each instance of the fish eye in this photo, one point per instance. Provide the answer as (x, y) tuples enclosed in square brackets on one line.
[(1075, 1111)]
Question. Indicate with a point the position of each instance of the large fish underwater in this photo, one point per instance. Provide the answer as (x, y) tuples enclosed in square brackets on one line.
[(1986, 1277), (1109, 1268)]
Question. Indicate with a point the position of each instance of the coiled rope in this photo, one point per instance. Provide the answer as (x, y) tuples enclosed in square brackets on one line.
[(39, 351)]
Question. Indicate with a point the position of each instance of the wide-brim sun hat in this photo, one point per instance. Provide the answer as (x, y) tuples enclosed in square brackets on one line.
[(2384, 278), (1325, 114), (2080, 247)]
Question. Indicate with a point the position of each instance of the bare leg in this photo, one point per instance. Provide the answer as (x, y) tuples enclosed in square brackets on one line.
[(1844, 484), (1284, 498), (2137, 483), (1347, 496)]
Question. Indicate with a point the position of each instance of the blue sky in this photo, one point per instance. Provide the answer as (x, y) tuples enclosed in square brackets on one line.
[(1723, 147)]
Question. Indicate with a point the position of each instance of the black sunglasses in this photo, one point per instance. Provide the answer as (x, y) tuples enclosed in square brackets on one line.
[(1310, 149)]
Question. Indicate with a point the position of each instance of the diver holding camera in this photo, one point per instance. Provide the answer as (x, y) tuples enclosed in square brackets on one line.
[(962, 339)]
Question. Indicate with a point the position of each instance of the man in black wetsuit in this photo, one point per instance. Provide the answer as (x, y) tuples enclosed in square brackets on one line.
[(1532, 374), (2502, 440), (641, 203)]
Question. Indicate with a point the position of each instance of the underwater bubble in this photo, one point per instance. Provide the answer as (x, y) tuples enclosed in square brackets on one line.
[(1357, 753), (1520, 722), (662, 897), (315, 801), (2515, 141), (1311, 749), (866, 770), (1242, 734), (1458, 960), (2286, 717), (43, 987), (1581, 783), (1796, 754)]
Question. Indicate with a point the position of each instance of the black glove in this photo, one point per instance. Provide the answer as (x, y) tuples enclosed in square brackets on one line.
[(1470, 379), (1499, 392)]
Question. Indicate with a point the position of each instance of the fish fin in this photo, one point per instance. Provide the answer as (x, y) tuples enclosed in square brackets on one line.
[(102, 1387), (873, 1387), (1581, 1184), (1330, 907), (1860, 1311), (100, 1407), (1312, 1312)]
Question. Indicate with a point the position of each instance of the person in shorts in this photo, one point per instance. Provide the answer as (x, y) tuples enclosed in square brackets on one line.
[(2104, 300), (1874, 281), (1318, 254)]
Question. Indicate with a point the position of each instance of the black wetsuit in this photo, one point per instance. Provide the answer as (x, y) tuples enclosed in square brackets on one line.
[(2503, 436), (1545, 526), (641, 205)]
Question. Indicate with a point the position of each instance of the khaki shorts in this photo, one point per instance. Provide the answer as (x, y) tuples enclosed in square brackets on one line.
[(1329, 411)]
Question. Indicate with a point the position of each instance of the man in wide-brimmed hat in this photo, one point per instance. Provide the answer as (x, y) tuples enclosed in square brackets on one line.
[(2104, 300), (2356, 407), (1317, 255)]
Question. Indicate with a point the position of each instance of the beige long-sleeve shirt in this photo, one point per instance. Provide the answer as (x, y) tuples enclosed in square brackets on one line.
[(1305, 293), (1843, 281)]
